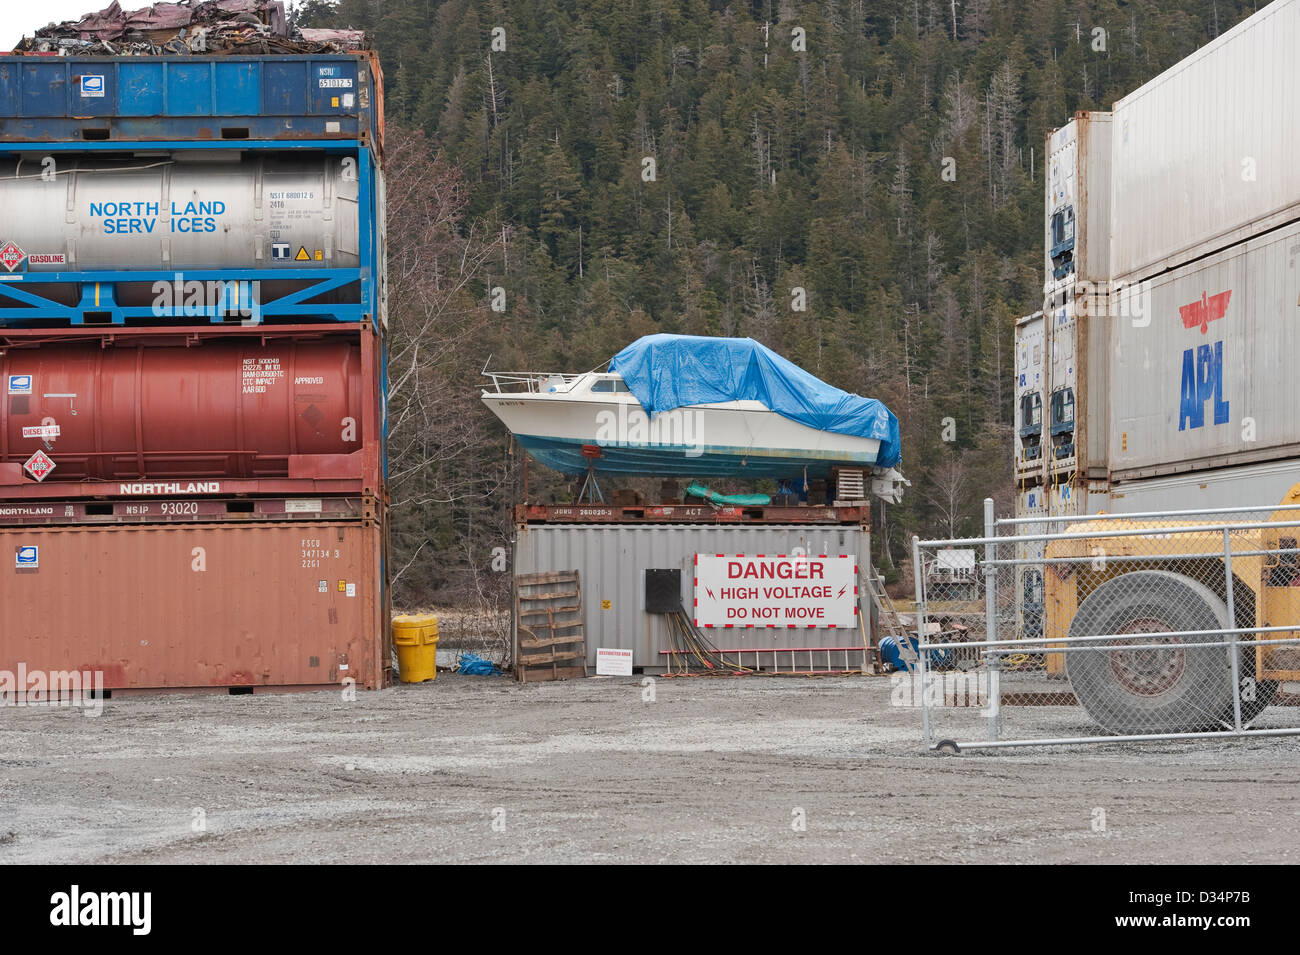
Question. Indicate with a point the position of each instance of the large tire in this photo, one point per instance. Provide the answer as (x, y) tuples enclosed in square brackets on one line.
[(1182, 689), (1265, 690)]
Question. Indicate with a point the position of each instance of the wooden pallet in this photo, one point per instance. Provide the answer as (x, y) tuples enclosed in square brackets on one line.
[(551, 643)]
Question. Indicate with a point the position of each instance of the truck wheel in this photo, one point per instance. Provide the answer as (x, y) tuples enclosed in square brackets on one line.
[(1179, 689)]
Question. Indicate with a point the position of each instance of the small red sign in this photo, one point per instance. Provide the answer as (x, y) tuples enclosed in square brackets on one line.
[(11, 256), (39, 465)]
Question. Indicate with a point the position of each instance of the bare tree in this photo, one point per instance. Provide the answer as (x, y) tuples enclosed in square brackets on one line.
[(949, 481), (446, 467)]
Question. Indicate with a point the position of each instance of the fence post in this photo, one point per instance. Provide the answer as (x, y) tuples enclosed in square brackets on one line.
[(991, 613), (993, 701), (918, 678), (1234, 651)]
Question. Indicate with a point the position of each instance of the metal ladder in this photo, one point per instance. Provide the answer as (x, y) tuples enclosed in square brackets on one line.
[(887, 614)]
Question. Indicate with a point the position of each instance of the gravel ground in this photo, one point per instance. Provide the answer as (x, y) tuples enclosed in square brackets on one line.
[(484, 770)]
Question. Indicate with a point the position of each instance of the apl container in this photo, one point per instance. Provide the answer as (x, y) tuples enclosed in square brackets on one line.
[(1204, 379), (1203, 156), (415, 638)]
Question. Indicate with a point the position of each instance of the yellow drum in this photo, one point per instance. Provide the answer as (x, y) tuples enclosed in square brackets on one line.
[(415, 636)]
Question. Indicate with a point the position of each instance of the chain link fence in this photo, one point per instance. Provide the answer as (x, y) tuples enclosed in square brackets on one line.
[(1120, 626)]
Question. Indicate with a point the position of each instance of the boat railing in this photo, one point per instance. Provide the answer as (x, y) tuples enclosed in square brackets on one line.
[(529, 382)]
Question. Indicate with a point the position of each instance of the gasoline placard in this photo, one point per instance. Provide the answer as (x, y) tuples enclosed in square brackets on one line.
[(756, 590)]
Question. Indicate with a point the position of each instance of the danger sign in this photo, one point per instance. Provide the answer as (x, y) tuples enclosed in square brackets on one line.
[(758, 590), (39, 465)]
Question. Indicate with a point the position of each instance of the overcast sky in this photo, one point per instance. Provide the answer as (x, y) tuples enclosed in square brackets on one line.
[(19, 18)]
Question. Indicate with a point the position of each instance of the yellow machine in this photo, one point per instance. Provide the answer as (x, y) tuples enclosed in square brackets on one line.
[(1138, 577)]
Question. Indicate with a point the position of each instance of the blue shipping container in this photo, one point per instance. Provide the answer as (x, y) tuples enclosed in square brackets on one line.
[(88, 98)]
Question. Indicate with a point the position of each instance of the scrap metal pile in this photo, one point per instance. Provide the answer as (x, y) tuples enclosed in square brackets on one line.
[(187, 26)]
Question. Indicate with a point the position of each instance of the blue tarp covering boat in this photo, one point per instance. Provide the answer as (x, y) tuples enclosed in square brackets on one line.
[(673, 371)]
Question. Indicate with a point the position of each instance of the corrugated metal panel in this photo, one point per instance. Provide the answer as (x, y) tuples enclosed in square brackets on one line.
[(1204, 378), (1256, 484), (612, 559), (1204, 154), (1093, 227), (197, 605)]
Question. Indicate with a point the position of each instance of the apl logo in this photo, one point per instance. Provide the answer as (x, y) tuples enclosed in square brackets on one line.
[(1207, 309), (1203, 365)]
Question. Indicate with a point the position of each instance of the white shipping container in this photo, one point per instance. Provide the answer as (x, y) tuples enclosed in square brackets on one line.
[(1077, 226), (1031, 349), (1038, 506), (1030, 503), (1205, 378), (1247, 486), (1204, 155)]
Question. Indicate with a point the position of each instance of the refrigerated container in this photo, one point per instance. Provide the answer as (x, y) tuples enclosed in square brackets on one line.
[(1205, 380), (1246, 485), (1077, 208), (1031, 377), (1203, 155)]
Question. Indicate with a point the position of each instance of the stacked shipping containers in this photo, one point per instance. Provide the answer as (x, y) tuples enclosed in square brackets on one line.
[(1206, 229), (1170, 288), (1061, 386), (192, 344)]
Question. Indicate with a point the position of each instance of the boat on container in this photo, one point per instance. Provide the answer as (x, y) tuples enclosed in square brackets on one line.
[(674, 405)]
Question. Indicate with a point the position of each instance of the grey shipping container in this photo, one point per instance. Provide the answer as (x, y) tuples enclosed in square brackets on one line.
[(612, 560), (1204, 154), (1203, 379)]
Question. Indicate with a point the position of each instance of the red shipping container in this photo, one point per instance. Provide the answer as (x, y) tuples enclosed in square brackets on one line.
[(187, 605)]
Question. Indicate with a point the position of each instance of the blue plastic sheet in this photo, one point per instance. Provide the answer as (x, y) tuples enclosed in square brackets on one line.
[(474, 665), (671, 371)]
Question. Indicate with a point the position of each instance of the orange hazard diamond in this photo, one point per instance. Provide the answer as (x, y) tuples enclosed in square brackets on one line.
[(39, 465)]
